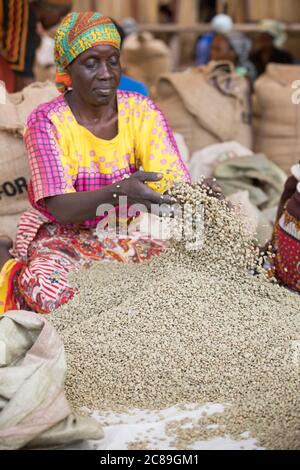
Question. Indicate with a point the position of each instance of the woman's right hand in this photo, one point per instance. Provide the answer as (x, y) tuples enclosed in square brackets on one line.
[(77, 207), (138, 192)]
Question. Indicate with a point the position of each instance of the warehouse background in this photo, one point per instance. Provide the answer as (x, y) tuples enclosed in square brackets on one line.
[(189, 18)]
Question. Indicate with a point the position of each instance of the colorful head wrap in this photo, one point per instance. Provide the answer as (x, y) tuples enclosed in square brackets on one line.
[(77, 33)]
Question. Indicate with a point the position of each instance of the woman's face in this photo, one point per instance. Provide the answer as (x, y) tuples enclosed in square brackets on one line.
[(222, 50), (96, 74)]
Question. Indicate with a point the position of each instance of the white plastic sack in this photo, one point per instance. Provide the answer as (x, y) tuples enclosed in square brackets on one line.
[(34, 411), (255, 220), (202, 163)]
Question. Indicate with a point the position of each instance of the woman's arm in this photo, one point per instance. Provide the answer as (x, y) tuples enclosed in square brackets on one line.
[(77, 207)]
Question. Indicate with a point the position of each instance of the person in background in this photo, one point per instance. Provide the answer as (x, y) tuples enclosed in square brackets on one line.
[(220, 24), (127, 83), (234, 47), (270, 41), (286, 237), (19, 38)]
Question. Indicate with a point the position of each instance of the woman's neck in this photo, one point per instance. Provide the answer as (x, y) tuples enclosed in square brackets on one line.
[(84, 111), (100, 120)]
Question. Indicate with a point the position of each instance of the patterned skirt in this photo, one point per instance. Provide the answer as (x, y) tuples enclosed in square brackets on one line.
[(45, 254), (287, 246)]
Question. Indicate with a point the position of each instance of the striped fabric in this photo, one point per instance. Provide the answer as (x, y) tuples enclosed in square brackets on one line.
[(28, 228), (14, 18)]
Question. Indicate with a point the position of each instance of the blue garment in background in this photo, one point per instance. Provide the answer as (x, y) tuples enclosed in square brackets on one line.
[(203, 49), (129, 84)]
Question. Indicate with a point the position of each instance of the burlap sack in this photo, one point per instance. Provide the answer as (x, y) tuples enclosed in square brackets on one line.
[(18, 106), (277, 131), (207, 105), (9, 224), (13, 160), (14, 174), (145, 58)]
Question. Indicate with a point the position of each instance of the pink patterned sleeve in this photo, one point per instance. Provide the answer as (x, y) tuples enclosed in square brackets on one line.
[(48, 176)]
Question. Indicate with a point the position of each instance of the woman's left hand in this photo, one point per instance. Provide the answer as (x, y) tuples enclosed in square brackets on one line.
[(213, 188)]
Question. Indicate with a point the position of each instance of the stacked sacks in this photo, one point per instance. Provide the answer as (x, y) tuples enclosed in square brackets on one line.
[(13, 160), (207, 105), (145, 58), (277, 131)]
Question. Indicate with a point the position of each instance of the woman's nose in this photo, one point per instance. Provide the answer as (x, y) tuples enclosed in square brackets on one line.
[(103, 71)]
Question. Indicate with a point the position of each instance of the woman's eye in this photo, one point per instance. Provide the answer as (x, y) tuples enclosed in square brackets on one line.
[(90, 64), (114, 60)]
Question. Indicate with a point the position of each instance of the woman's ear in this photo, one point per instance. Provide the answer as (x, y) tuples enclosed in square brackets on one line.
[(69, 71)]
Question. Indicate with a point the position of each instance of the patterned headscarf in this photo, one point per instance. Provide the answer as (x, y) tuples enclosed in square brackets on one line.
[(77, 33)]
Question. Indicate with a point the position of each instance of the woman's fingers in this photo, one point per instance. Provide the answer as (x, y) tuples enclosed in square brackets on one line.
[(213, 188), (211, 183), (147, 176), (151, 197), (147, 193), (138, 192), (156, 198)]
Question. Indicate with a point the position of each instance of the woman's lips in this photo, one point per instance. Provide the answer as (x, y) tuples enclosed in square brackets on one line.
[(104, 91)]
